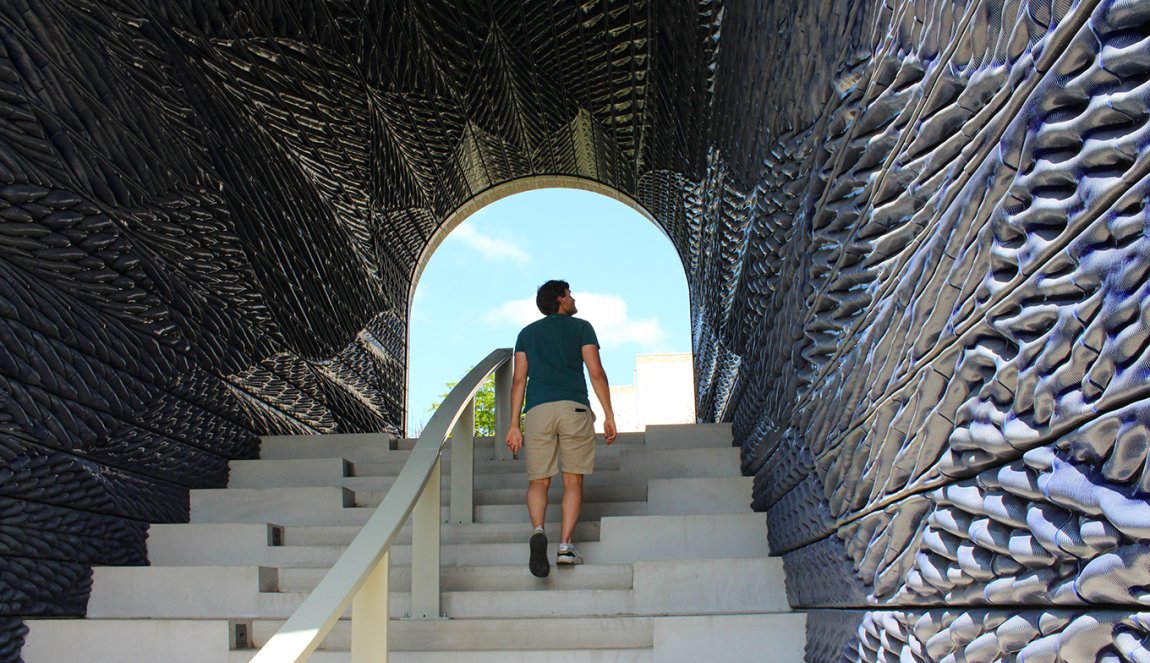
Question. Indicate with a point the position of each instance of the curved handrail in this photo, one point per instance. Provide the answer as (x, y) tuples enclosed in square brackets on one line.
[(310, 623)]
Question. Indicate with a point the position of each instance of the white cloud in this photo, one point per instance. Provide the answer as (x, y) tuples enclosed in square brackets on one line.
[(491, 248), (608, 313), (515, 313)]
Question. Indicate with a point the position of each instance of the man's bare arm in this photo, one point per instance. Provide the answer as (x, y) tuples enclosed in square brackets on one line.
[(518, 389), (602, 389)]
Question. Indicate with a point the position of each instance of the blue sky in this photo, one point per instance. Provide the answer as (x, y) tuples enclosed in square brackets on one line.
[(478, 289)]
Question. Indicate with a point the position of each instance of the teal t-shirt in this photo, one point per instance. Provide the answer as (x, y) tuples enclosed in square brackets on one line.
[(554, 347)]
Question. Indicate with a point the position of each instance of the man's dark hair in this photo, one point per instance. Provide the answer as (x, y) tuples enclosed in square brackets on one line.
[(547, 297)]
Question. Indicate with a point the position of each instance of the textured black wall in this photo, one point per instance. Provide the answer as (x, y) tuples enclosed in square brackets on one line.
[(922, 300), (210, 215), (914, 234)]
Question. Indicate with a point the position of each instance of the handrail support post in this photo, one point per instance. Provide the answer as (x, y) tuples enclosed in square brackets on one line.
[(369, 615), (503, 376), (425, 524), (463, 466)]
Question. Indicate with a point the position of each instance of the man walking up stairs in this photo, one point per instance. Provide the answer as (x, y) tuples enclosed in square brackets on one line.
[(549, 358)]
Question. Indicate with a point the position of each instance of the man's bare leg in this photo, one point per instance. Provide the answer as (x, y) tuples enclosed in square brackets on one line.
[(537, 507), (572, 504), (537, 500)]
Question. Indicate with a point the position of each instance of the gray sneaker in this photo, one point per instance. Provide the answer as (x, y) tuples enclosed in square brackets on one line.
[(568, 555)]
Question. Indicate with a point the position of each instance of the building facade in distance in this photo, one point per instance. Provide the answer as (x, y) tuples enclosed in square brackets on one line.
[(662, 392)]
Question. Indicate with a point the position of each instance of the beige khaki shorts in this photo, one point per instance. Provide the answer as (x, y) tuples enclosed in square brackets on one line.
[(559, 430)]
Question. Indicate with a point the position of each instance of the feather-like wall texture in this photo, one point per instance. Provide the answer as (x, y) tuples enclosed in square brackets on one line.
[(914, 233)]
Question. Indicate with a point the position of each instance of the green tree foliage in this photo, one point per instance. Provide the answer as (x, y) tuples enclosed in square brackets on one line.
[(484, 406)]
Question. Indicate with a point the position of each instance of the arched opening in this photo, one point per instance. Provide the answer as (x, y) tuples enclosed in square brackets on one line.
[(478, 289)]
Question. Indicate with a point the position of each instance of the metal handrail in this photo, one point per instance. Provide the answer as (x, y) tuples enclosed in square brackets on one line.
[(359, 577)]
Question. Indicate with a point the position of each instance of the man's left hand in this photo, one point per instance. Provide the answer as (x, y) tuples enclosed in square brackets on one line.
[(514, 440)]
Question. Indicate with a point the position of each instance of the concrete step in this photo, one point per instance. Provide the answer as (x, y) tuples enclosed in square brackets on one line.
[(641, 655), (778, 638), (334, 472), (283, 506), (482, 578), (606, 460), (699, 495), (183, 592), (240, 593), (226, 544), (318, 506), (175, 544), (343, 445), (299, 472), (484, 554), (723, 535), (495, 489), (773, 638), (622, 540), (693, 436), (503, 496), (126, 641), (377, 449), (517, 513), (449, 533), (137, 598), (679, 463), (491, 635), (508, 489), (241, 543), (206, 641), (665, 587), (630, 463), (709, 586), (487, 443)]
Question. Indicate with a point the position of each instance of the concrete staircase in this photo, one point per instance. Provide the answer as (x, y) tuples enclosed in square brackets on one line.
[(676, 563)]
